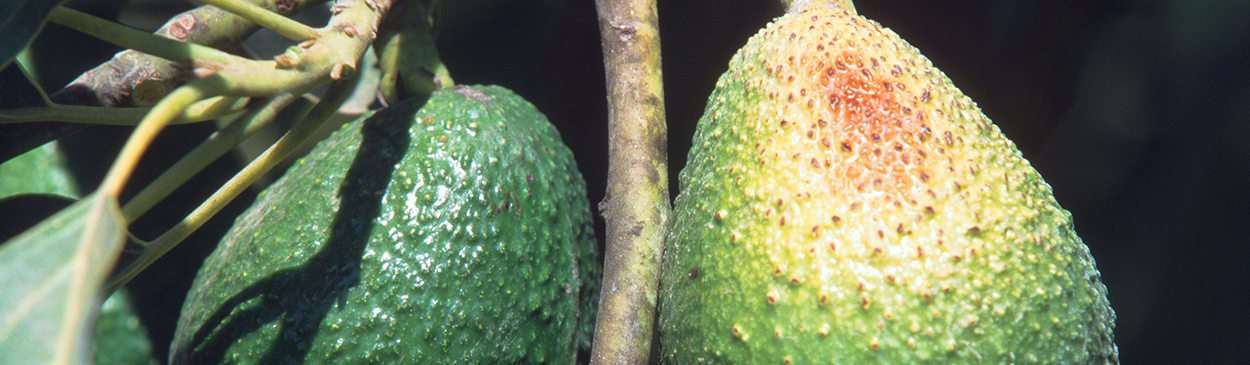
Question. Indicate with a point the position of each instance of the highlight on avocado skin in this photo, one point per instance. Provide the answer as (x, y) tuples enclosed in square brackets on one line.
[(442, 231), (845, 203)]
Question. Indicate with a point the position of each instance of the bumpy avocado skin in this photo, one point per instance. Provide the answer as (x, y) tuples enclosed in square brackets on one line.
[(451, 232), (839, 210)]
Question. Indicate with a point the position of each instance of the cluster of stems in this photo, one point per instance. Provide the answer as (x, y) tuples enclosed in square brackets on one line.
[(188, 79), (220, 84)]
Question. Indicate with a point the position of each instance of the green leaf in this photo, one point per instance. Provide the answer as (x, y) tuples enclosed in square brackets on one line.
[(50, 278), (20, 21), (120, 339), (43, 170), (23, 211)]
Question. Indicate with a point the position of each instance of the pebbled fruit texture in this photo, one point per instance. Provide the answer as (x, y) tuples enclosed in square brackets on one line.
[(454, 232), (844, 203)]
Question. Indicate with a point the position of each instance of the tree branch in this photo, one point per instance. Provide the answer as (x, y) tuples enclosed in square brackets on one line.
[(133, 78), (135, 39), (331, 58), (636, 205)]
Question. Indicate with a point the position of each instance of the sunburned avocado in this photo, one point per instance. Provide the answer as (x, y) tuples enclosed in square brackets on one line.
[(453, 230), (844, 203)]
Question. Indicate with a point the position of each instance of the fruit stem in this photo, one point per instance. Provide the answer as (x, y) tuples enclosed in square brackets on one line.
[(636, 205), (799, 6), (408, 56)]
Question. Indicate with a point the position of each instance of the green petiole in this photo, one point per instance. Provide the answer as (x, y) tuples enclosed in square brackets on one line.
[(282, 25), (207, 109), (207, 152), (324, 109)]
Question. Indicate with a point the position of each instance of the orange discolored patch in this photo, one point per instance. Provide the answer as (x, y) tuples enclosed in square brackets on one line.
[(859, 112)]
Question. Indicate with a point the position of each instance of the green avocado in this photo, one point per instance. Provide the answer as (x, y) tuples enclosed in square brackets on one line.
[(844, 203), (447, 230)]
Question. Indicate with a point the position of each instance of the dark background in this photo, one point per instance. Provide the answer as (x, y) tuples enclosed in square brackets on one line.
[(1136, 112)]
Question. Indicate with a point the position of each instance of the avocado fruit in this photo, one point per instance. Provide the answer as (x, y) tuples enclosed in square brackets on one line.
[(844, 203), (452, 229)]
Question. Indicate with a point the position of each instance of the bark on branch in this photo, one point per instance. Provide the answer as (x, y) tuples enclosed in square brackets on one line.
[(636, 205)]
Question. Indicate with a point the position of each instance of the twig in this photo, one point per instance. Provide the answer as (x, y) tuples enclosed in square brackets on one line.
[(288, 28), (135, 39), (636, 206), (331, 58), (111, 84)]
